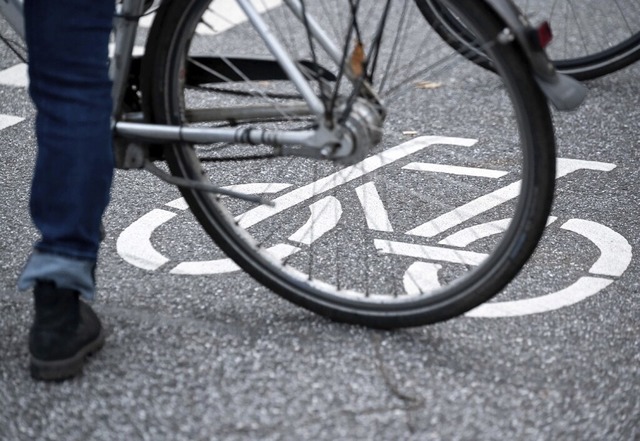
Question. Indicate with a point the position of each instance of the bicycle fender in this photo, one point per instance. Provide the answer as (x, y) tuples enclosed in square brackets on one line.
[(563, 91)]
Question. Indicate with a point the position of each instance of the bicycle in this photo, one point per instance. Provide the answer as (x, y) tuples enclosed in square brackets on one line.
[(263, 113), (593, 39)]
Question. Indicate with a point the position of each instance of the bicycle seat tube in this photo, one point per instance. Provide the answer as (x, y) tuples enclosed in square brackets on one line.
[(125, 25)]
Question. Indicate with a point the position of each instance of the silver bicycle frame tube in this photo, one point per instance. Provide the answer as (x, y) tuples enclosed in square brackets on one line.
[(196, 135), (13, 12), (283, 58), (316, 30), (159, 133)]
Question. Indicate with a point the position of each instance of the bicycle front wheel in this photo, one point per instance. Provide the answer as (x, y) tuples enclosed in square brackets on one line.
[(444, 201), (591, 39)]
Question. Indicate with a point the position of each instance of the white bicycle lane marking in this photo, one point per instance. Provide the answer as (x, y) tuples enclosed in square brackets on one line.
[(135, 247), (9, 120), (15, 76), (134, 244)]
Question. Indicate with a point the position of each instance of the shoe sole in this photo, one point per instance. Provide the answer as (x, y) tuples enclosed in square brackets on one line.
[(57, 370)]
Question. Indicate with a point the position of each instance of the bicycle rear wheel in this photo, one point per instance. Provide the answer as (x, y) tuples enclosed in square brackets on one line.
[(437, 217), (591, 39)]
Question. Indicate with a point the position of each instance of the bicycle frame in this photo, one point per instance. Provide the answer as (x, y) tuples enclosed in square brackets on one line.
[(125, 27), (310, 143)]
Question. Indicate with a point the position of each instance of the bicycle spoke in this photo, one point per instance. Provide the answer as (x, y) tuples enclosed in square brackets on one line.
[(353, 230)]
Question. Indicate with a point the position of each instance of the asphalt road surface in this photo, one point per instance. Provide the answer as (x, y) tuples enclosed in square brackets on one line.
[(199, 357)]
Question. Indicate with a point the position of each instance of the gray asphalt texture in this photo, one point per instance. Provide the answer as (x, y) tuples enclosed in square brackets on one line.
[(201, 358)]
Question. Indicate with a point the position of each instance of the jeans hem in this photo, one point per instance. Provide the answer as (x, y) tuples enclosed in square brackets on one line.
[(64, 272)]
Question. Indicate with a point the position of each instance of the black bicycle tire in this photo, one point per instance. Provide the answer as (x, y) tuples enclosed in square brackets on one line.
[(583, 68), (159, 72)]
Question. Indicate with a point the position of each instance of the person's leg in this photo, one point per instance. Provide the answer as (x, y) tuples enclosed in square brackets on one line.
[(69, 85)]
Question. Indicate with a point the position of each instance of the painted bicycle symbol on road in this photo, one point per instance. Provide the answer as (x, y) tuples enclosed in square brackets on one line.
[(135, 246)]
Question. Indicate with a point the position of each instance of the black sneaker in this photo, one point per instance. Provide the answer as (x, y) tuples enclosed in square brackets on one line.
[(65, 331)]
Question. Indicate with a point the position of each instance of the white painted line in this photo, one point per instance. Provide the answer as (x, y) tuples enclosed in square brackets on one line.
[(254, 188), (428, 252), (583, 288), (8, 121), (134, 243), (15, 76), (421, 277), (219, 266), (325, 215), (374, 211), (469, 235), (492, 200), (178, 204), (259, 187), (346, 175), (225, 14), (566, 166), (615, 250), (455, 170), (467, 211)]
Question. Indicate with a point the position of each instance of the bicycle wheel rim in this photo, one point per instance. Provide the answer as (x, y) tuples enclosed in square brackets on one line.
[(590, 40), (602, 63), (328, 296)]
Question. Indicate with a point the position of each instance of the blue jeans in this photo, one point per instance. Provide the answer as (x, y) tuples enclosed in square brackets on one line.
[(70, 87)]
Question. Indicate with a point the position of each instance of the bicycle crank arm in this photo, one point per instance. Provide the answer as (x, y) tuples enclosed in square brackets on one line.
[(564, 92)]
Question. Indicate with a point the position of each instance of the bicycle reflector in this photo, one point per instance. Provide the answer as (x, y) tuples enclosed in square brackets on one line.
[(543, 35)]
